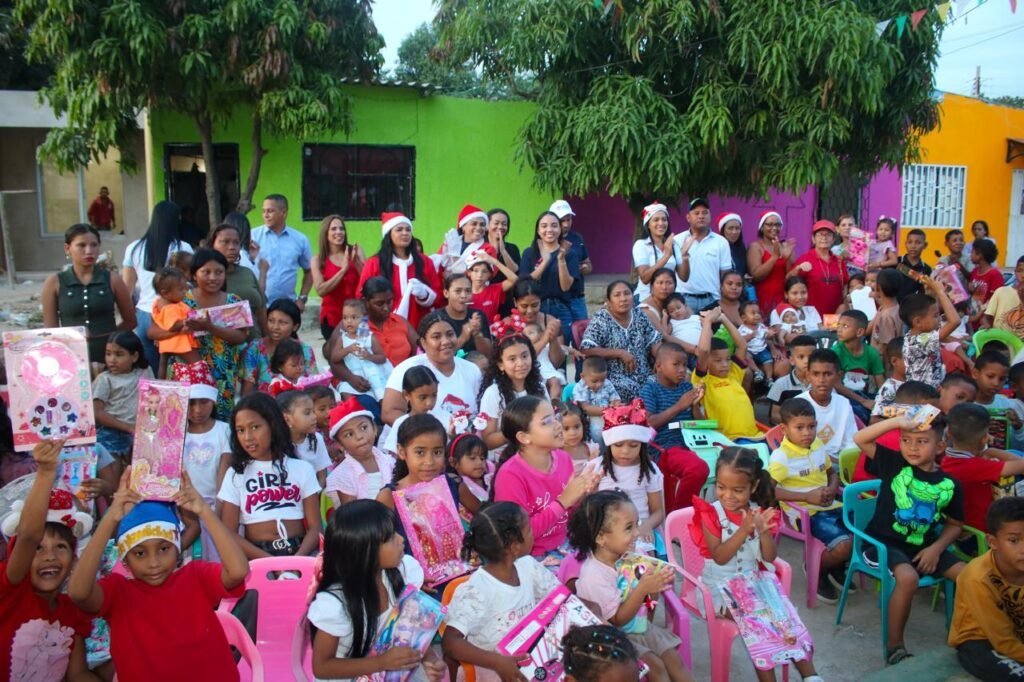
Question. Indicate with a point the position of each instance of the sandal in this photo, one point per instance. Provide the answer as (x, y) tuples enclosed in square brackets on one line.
[(898, 655)]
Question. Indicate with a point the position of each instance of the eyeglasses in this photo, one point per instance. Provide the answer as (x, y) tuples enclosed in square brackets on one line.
[(772, 225)]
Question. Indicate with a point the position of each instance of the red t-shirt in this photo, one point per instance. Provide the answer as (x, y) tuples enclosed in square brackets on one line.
[(891, 440), (488, 301), (169, 632), (35, 640), (825, 281), (992, 280), (976, 476)]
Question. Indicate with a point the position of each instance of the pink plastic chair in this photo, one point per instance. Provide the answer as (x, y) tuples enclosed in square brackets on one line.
[(813, 548), (696, 597), (239, 638), (676, 618), (773, 437)]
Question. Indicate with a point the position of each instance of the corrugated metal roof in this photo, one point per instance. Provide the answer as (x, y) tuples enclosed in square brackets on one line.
[(393, 83)]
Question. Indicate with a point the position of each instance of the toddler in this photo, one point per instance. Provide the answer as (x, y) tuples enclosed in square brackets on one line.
[(324, 400), (755, 333), (685, 326), (896, 376), (921, 345), (207, 453), (554, 379), (364, 470), (170, 313), (794, 317), (115, 393), (599, 653), (288, 365), (361, 351), (576, 435), (882, 249), (593, 393), (467, 459), (297, 408), (480, 360)]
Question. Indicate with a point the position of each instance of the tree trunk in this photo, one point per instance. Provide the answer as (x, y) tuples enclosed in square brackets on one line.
[(205, 127), (258, 152)]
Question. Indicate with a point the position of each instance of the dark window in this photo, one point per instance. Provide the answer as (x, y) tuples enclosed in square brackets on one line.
[(842, 195), (357, 181)]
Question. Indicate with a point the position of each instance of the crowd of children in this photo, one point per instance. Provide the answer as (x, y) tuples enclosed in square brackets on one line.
[(543, 476)]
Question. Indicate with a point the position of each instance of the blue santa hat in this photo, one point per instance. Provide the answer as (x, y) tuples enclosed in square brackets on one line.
[(149, 520)]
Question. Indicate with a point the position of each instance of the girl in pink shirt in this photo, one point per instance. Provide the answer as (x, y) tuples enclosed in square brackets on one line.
[(535, 473)]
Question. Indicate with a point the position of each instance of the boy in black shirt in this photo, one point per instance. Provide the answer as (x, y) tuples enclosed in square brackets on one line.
[(915, 497)]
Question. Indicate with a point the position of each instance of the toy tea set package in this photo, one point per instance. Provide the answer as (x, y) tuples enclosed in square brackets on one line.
[(159, 438), (412, 622), (766, 619), (433, 529)]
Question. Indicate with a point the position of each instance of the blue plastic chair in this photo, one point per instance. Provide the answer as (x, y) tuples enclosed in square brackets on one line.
[(857, 513)]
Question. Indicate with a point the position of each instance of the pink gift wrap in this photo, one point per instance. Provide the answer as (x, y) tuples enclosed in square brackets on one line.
[(412, 622), (50, 386), (230, 315), (433, 529), (159, 438), (768, 622)]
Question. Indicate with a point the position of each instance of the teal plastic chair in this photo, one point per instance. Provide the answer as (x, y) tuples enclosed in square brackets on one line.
[(857, 513)]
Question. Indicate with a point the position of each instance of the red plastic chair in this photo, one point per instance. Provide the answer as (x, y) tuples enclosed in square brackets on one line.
[(579, 327), (239, 638), (813, 548), (696, 596), (773, 437), (468, 670)]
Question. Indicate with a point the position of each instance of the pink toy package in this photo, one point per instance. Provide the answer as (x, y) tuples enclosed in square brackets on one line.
[(767, 620), (433, 529), (321, 379), (412, 622), (159, 438), (953, 282), (50, 386), (857, 247), (77, 465), (231, 315)]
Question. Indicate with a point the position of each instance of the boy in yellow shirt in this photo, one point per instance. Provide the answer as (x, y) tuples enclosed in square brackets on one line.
[(988, 613), (725, 399)]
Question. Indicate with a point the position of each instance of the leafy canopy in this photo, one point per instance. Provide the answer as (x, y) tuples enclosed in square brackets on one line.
[(659, 98)]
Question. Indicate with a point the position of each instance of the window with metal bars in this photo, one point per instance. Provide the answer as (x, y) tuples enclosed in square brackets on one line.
[(357, 181), (933, 196)]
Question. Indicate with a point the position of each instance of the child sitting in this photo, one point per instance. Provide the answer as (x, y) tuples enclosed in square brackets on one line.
[(910, 393), (149, 543), (419, 389), (725, 400), (796, 381), (897, 375), (361, 351), (364, 572), (685, 325), (735, 532), (602, 531), (364, 470), (115, 393), (887, 324), (599, 653), (975, 465), (755, 333), (922, 344), (497, 596), (207, 452), (324, 400), (836, 423), (881, 249), (804, 473), (288, 365), (467, 460), (986, 629), (576, 435), (858, 363), (170, 313), (956, 388), (990, 372), (914, 499), (297, 408), (514, 373), (794, 317), (593, 393), (44, 534)]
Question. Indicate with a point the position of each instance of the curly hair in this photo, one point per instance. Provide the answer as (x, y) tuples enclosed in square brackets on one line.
[(533, 384)]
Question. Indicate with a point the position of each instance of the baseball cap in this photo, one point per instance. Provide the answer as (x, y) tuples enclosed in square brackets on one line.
[(699, 201), (561, 208), (823, 225)]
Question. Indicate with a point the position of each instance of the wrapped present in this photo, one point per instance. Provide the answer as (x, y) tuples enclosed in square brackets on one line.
[(77, 464), (230, 315), (321, 379), (50, 386), (630, 569), (999, 428), (412, 622), (433, 529), (857, 248), (766, 619), (159, 438), (953, 282), (921, 415)]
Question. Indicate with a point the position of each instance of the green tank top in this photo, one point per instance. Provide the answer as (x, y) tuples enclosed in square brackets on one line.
[(90, 306)]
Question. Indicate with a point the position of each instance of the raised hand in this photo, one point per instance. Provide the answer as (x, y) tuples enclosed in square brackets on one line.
[(46, 454)]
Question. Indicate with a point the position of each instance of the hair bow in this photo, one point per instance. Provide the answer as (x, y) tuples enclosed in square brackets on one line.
[(513, 324), (625, 415)]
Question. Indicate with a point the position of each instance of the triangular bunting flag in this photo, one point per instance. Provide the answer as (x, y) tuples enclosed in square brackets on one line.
[(943, 10), (1013, 6), (881, 26), (901, 23), (916, 18)]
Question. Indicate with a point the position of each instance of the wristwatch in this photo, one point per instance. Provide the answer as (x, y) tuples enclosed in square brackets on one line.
[(303, 298)]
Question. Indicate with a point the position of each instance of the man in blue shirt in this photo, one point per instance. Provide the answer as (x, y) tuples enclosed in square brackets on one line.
[(286, 249)]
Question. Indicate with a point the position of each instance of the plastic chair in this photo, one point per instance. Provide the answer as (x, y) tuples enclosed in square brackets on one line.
[(813, 547), (983, 336), (848, 465), (696, 596), (579, 328), (239, 638), (707, 443), (773, 437), (326, 509), (857, 513), (468, 670)]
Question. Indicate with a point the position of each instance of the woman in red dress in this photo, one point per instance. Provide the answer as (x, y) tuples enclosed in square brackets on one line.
[(824, 273), (768, 260), (336, 269)]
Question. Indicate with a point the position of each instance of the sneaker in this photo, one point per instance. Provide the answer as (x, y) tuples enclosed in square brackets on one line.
[(871, 556), (837, 576), (758, 376), (826, 591)]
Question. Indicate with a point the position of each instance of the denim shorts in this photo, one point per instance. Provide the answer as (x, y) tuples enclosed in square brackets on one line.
[(118, 443), (828, 527), (762, 357)]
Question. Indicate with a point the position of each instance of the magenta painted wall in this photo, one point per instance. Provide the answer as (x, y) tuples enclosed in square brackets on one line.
[(883, 195)]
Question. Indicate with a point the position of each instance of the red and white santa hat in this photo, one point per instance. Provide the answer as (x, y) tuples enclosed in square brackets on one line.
[(770, 213), (726, 217), (345, 412), (471, 212), (202, 388), (477, 256), (626, 422), (652, 210), (61, 510), (389, 221)]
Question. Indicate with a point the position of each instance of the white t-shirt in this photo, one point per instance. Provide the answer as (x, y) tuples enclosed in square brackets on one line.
[(492, 404), (136, 258), (202, 455), (759, 341), (687, 330), (808, 317), (485, 609), (454, 393), (316, 455), (627, 480), (263, 493), (709, 258), (836, 424), (329, 613), (646, 254), (389, 438)]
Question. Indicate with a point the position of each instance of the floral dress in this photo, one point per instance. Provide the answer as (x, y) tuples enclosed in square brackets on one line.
[(256, 364), (638, 338), (222, 359)]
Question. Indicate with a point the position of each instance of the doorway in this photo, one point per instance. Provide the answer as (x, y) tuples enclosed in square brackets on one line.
[(185, 183)]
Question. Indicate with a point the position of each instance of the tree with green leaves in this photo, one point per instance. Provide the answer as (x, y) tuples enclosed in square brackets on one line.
[(419, 61), (283, 60), (661, 98)]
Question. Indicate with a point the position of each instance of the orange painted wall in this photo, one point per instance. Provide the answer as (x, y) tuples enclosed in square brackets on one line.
[(973, 133)]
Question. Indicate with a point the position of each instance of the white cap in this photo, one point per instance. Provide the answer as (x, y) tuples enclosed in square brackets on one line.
[(202, 392), (561, 208)]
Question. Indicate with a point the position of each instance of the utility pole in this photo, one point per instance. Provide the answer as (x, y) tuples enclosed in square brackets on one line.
[(976, 91)]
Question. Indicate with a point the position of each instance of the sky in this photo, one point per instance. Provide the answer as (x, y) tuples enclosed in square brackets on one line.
[(986, 35)]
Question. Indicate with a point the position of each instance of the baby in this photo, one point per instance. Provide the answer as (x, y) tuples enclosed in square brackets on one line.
[(685, 325), (791, 322), (170, 313), (755, 333)]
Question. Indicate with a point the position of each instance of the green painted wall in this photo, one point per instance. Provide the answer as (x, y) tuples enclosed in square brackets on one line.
[(464, 154)]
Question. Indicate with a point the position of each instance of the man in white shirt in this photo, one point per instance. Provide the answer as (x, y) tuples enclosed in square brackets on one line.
[(286, 250), (704, 257)]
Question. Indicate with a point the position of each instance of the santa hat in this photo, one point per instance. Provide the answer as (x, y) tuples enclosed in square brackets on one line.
[(476, 257), (652, 210), (389, 221), (61, 510), (626, 422), (148, 520), (770, 213), (203, 389), (345, 412), (726, 217), (471, 212)]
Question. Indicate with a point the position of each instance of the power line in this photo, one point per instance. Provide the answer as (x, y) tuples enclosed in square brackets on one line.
[(984, 40)]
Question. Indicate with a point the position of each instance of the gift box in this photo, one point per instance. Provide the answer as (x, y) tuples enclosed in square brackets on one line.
[(77, 464), (433, 529), (160, 423), (412, 622), (230, 315), (767, 621)]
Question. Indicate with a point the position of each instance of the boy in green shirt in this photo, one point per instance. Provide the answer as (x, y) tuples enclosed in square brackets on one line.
[(858, 362)]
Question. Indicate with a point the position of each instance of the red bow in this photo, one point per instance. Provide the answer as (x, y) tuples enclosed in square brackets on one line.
[(68, 520), (514, 324), (624, 415)]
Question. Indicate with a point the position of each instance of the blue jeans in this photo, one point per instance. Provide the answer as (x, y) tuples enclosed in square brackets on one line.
[(143, 322), (698, 302), (561, 310), (828, 527)]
